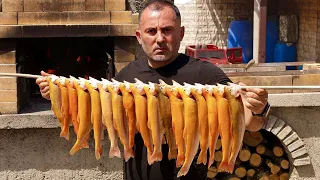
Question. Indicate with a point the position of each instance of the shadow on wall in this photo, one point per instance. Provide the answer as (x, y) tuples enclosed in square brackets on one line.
[(43, 150)]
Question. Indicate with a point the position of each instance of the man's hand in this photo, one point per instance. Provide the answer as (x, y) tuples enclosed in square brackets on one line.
[(44, 85), (254, 101)]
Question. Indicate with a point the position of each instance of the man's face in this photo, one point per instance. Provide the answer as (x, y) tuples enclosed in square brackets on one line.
[(160, 34)]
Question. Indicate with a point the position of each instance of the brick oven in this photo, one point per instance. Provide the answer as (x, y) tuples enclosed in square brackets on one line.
[(69, 37)]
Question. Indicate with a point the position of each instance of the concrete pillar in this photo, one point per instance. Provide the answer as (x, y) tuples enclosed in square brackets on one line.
[(259, 33)]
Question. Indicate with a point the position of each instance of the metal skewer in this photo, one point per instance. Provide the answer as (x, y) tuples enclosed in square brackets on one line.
[(20, 75), (242, 87), (281, 87)]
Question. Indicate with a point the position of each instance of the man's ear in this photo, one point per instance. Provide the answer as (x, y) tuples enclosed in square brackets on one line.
[(138, 36), (181, 33)]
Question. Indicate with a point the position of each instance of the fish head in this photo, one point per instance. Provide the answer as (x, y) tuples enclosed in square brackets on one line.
[(176, 84), (93, 82), (198, 89), (105, 84), (116, 86), (82, 83), (140, 88), (152, 88), (207, 89), (62, 81), (220, 88), (53, 78), (233, 89), (127, 86), (185, 91)]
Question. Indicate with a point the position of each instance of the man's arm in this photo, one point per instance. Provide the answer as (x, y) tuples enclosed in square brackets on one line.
[(254, 102)]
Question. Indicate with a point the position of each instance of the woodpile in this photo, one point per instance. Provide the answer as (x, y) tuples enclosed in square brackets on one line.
[(262, 157)]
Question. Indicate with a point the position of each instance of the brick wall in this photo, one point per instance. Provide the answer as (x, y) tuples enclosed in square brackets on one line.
[(64, 12), (208, 21), (8, 85)]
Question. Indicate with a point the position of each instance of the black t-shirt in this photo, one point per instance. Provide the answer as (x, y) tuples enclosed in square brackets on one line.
[(183, 69)]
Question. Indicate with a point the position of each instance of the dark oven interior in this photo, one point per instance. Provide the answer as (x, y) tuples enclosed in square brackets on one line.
[(79, 57)]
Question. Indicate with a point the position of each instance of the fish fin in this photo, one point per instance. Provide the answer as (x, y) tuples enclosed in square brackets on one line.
[(155, 157), (114, 152), (211, 161), (224, 167), (128, 153), (180, 160), (202, 158)]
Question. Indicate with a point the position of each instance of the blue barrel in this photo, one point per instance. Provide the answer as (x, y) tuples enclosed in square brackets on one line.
[(272, 36), (240, 34), (285, 52)]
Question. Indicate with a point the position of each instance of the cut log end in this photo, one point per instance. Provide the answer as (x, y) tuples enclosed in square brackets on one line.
[(285, 164), (261, 149), (255, 160), (218, 156), (240, 172), (273, 177), (278, 151), (284, 176), (244, 155)]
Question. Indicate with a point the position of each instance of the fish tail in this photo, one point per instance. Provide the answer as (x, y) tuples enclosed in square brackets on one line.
[(202, 158), (211, 161), (149, 157), (156, 156), (76, 147), (98, 152), (230, 167), (128, 153), (183, 171), (224, 167), (180, 160), (85, 143), (172, 154), (114, 152), (65, 133)]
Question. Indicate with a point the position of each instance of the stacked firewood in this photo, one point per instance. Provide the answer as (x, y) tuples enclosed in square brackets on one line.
[(262, 157)]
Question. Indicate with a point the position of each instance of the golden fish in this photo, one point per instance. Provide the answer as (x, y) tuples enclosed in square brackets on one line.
[(154, 121), (177, 109), (166, 119), (191, 128), (84, 114), (128, 104), (212, 120), (224, 126), (61, 82), (119, 122), (55, 97), (96, 114), (73, 104), (236, 111), (196, 92), (142, 117), (106, 104)]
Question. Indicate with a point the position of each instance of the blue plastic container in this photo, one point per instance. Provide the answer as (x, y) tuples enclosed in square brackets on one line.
[(271, 39), (285, 52), (240, 34)]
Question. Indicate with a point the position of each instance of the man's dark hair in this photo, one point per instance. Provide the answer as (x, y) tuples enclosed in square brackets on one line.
[(158, 5)]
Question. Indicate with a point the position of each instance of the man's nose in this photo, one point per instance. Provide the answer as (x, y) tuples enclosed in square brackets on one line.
[(160, 37)]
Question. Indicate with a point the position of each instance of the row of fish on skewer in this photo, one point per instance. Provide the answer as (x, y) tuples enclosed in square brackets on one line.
[(186, 117)]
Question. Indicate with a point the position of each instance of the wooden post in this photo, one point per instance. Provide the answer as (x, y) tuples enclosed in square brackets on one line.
[(259, 31)]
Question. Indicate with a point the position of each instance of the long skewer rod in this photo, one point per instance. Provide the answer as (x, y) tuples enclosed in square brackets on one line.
[(20, 75), (242, 87)]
